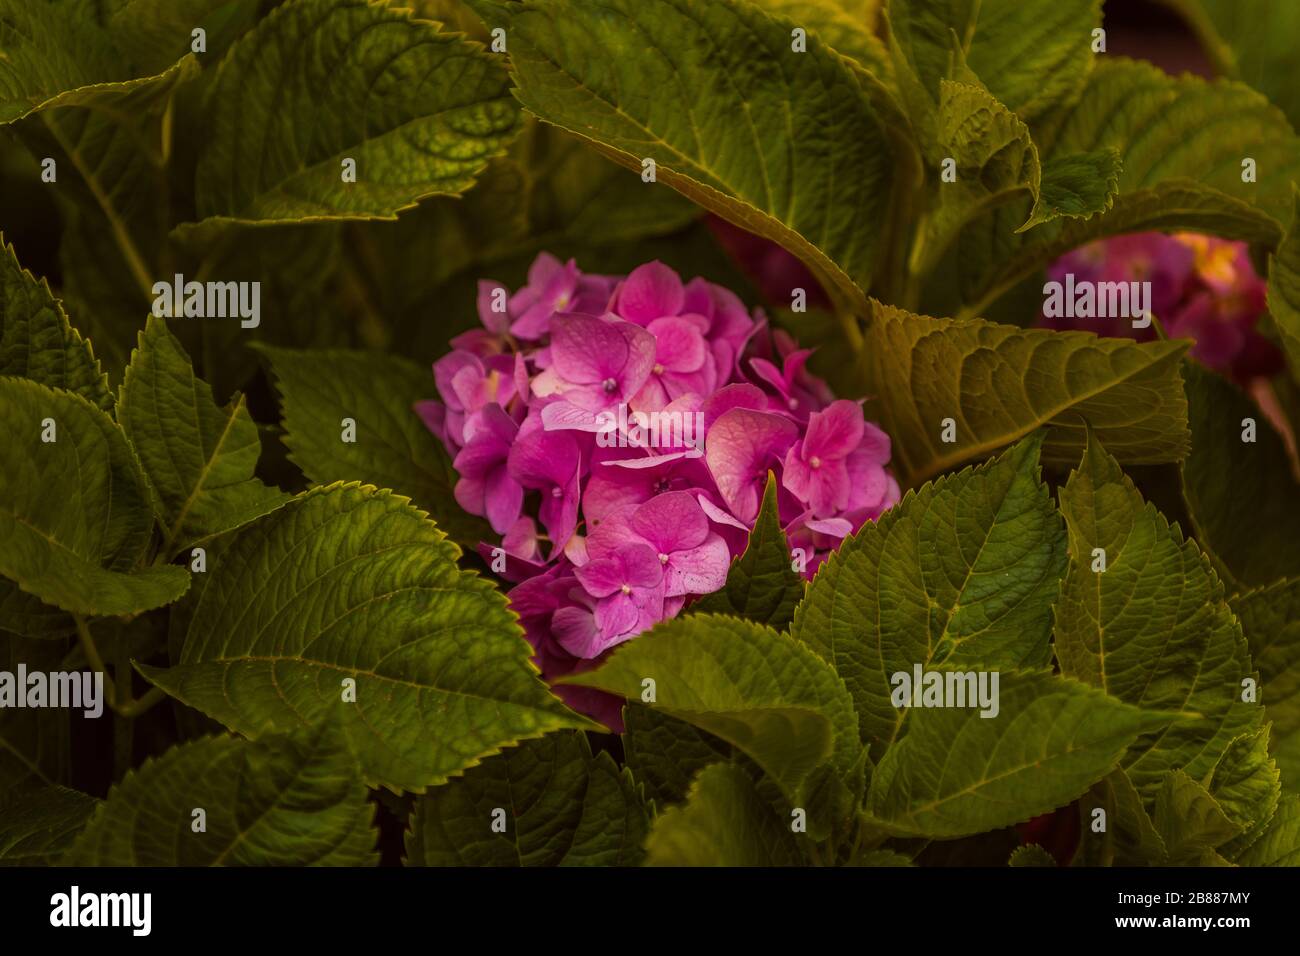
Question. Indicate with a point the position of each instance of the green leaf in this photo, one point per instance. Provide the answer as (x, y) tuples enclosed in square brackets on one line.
[(1279, 842), (957, 773), (1245, 781), (724, 822), (762, 585), (74, 512), (393, 448), (1190, 820), (350, 583), (998, 383), (55, 57), (282, 800), (559, 805), (38, 342), (320, 81), (34, 741), (1128, 837), (1153, 628), (1076, 186), (1181, 142), (1284, 286), (1031, 855), (36, 826), (199, 458), (781, 143), (1270, 619), (751, 686), (963, 571), (664, 753), (1241, 495)]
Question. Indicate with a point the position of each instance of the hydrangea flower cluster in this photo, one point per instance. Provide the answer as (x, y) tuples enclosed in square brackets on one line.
[(617, 433), (1202, 288)]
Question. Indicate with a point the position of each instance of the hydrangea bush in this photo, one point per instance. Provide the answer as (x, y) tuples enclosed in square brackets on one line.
[(769, 502)]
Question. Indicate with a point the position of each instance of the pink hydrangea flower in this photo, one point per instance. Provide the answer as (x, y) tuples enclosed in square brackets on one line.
[(617, 434), (1202, 288)]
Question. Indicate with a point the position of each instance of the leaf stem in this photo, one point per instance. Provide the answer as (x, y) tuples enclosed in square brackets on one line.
[(93, 657)]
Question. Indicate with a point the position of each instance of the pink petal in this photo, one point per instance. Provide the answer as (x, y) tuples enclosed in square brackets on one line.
[(740, 447), (700, 570), (504, 498), (587, 350), (679, 344), (833, 432), (650, 291), (671, 522), (493, 320)]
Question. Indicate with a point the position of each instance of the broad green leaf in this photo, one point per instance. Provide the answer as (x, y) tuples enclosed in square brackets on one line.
[(37, 825), (1076, 186), (998, 383), (962, 572), (1284, 286), (1254, 42), (1031, 855), (1279, 842), (781, 143), (282, 800), (38, 342), (762, 584), (74, 512), (1124, 835), (664, 753), (1153, 628), (724, 822), (346, 584), (34, 741), (1245, 783), (957, 773), (52, 56), (1270, 619), (1189, 820), (393, 448), (559, 806), (747, 684), (1241, 494), (1181, 142), (198, 457), (318, 82)]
